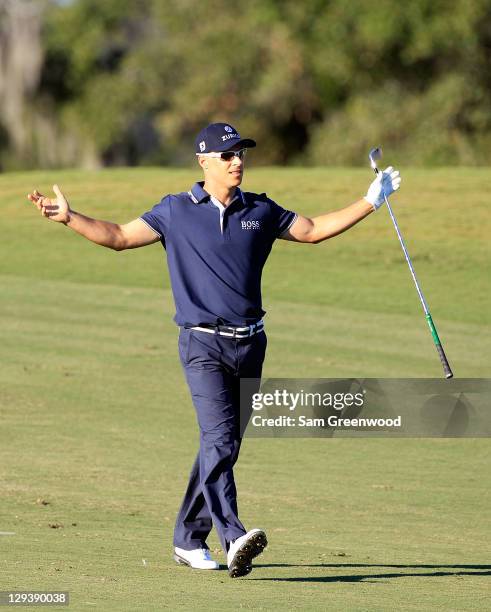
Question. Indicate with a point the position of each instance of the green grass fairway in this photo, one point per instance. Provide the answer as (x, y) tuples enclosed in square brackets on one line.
[(98, 431)]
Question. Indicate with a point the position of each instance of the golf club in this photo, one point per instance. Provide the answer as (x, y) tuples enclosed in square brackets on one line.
[(374, 156)]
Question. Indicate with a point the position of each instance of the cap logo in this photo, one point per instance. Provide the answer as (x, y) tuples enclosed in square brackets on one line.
[(228, 128), (228, 136), (202, 146)]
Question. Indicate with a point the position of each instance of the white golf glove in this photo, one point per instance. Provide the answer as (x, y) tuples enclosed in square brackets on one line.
[(386, 182)]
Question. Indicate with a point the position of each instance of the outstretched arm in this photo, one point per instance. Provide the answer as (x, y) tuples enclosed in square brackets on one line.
[(111, 235), (326, 226)]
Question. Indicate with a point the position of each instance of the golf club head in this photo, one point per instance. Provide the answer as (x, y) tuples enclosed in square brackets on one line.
[(374, 156)]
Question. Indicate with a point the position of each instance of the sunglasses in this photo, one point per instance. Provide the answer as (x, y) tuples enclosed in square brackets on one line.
[(226, 155)]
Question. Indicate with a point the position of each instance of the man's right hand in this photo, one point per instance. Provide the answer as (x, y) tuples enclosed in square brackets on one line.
[(55, 209), (111, 235)]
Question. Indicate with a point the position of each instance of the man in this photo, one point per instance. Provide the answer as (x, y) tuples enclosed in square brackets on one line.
[(217, 240)]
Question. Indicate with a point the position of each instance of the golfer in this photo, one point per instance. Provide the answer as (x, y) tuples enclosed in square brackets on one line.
[(217, 239)]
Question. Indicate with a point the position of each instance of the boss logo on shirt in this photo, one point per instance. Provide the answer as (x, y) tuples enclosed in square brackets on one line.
[(251, 225)]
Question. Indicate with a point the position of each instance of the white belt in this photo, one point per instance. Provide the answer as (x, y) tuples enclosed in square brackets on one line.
[(232, 332)]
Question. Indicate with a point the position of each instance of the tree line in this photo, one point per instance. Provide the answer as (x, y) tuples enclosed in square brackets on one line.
[(316, 82)]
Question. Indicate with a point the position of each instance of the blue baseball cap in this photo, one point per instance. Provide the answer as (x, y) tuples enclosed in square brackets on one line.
[(221, 137)]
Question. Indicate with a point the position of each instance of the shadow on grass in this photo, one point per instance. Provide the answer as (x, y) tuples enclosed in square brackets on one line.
[(443, 570)]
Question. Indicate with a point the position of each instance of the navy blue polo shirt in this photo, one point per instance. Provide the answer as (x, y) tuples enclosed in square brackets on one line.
[(215, 268)]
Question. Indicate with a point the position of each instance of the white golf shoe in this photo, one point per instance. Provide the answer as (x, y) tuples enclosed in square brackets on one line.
[(199, 558), (243, 550)]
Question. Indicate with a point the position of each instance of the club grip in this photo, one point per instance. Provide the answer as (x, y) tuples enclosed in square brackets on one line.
[(441, 353), (443, 358)]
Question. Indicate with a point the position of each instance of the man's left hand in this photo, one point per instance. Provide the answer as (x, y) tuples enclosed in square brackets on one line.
[(386, 183)]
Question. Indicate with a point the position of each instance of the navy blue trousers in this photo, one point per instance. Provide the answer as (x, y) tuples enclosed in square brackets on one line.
[(213, 366)]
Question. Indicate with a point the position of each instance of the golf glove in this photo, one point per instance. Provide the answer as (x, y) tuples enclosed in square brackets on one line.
[(386, 183)]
